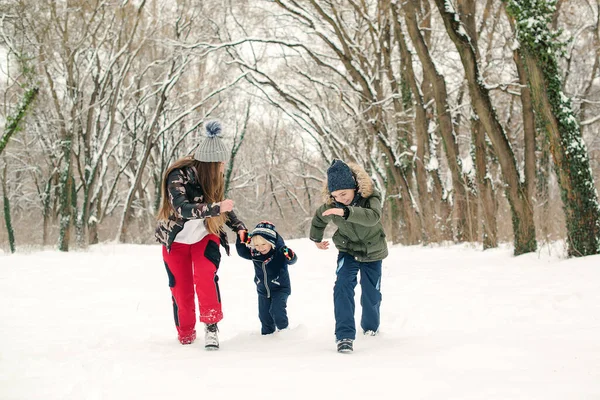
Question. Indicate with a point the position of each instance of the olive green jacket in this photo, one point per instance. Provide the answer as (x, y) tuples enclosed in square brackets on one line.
[(361, 234)]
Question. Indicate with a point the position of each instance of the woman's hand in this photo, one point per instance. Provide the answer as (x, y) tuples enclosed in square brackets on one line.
[(334, 211), (226, 205), (324, 245)]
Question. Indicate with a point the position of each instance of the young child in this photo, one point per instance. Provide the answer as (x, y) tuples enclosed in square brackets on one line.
[(271, 258), (353, 204)]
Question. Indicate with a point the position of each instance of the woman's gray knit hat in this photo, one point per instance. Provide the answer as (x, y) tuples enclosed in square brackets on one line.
[(212, 148)]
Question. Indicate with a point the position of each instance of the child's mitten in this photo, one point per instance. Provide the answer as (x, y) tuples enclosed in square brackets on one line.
[(244, 237), (288, 253)]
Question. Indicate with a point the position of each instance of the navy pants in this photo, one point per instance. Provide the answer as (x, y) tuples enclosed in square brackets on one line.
[(343, 295), (272, 312)]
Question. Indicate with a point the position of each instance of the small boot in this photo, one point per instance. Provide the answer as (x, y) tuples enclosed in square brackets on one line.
[(211, 338), (345, 346)]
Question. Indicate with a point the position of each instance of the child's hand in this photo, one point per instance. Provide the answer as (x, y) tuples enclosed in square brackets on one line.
[(334, 211), (226, 205), (324, 245), (244, 238), (288, 253)]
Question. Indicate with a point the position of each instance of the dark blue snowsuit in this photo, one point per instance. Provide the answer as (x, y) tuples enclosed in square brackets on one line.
[(272, 281)]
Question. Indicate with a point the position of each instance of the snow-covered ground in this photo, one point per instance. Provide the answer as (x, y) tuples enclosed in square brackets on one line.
[(457, 323)]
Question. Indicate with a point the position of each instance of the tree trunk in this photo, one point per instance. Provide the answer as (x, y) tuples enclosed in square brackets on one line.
[(402, 200), (148, 143), (66, 193), (46, 208), (442, 206), (12, 122), (487, 194), (571, 164), (444, 118), (529, 131), (543, 188), (538, 47), (396, 217), (422, 140), (522, 212), (472, 228), (237, 143), (7, 218)]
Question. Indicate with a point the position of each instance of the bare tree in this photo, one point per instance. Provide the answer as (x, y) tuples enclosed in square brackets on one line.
[(444, 117), (125, 86), (523, 225), (487, 196)]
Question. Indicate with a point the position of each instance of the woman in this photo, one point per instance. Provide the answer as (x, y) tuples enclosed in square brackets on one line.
[(191, 219)]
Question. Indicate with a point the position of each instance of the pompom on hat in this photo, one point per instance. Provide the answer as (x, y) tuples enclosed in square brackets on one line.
[(212, 148), (265, 229), (340, 176)]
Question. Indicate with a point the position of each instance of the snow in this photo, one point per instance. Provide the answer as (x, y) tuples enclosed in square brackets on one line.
[(467, 166), (457, 323)]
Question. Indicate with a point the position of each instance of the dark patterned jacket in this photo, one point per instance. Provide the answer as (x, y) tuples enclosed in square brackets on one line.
[(186, 197)]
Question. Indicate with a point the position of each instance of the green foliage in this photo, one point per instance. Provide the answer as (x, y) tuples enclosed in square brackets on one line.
[(533, 17), (12, 121)]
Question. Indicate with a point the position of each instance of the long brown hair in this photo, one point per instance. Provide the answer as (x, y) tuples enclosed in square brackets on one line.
[(210, 180)]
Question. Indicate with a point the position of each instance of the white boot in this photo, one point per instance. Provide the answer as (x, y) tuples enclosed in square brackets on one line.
[(211, 338)]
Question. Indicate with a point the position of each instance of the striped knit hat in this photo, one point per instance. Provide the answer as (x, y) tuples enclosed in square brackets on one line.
[(212, 148), (266, 229)]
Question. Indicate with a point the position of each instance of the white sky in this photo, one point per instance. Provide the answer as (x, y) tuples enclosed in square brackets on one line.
[(457, 323)]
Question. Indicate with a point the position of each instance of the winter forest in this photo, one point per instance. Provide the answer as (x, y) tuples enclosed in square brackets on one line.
[(477, 119)]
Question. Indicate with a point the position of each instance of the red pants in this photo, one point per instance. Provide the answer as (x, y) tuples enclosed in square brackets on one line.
[(190, 265)]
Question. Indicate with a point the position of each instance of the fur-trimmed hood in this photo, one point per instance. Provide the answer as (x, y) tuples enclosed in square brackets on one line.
[(363, 182)]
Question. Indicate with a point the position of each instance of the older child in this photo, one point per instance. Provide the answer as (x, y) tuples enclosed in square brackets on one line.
[(191, 219), (354, 206), (271, 258)]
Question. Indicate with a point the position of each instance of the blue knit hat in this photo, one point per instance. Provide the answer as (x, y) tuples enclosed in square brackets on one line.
[(265, 229), (339, 176)]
